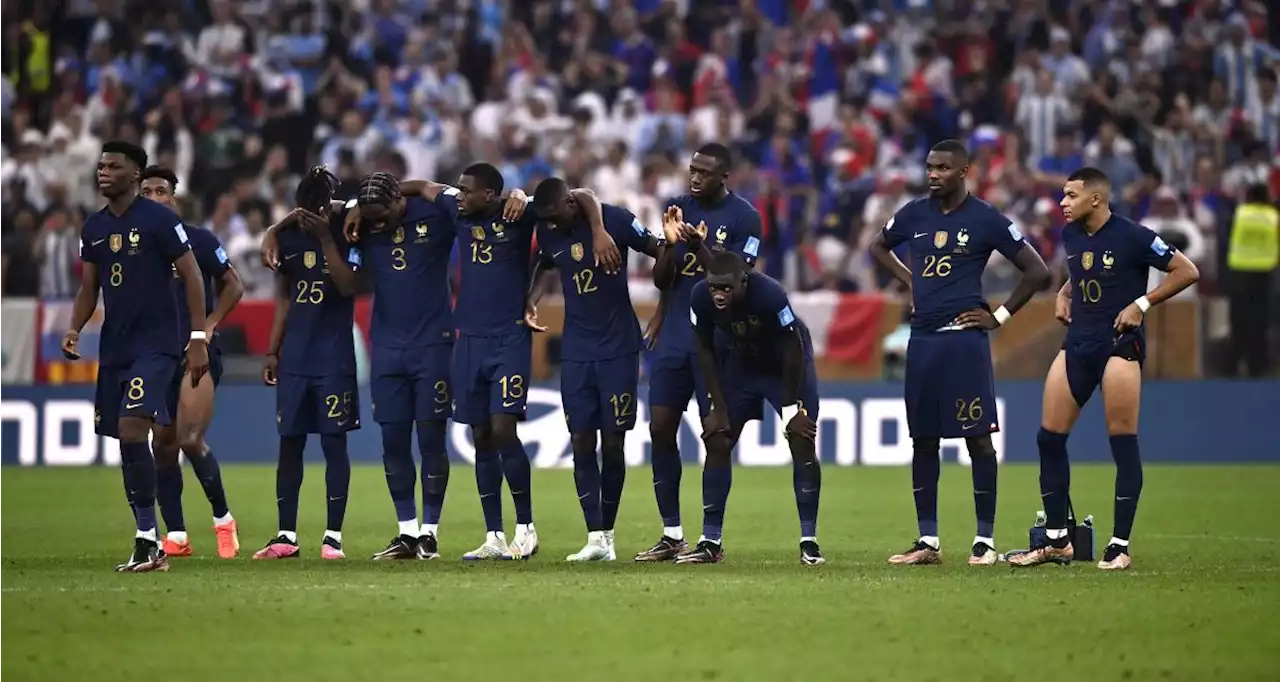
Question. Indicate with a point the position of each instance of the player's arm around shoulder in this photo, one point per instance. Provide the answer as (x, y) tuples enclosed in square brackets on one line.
[(604, 249)]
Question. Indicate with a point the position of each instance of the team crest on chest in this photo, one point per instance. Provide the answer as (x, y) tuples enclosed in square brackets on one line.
[(1107, 260), (421, 229), (939, 239), (398, 236), (1086, 260), (739, 328), (116, 242), (477, 233), (722, 234), (309, 259), (576, 251), (498, 233), (962, 240)]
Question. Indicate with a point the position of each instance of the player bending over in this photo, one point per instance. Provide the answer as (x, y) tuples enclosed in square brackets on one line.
[(194, 403), (492, 355), (950, 384), (752, 347), (1103, 305), (600, 351), (724, 221), (130, 249), (312, 360)]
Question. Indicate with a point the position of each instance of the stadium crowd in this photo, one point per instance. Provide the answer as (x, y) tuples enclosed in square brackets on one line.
[(830, 106)]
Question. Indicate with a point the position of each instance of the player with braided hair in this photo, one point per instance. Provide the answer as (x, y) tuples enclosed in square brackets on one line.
[(311, 360)]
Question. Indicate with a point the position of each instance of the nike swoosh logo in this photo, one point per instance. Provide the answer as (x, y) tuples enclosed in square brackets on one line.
[(919, 235), (1071, 256), (335, 499), (132, 406), (513, 403), (291, 256), (620, 422), (583, 496), (966, 427), (706, 507), (440, 410), (487, 495), (434, 476), (1122, 499), (97, 242), (342, 423), (557, 253)]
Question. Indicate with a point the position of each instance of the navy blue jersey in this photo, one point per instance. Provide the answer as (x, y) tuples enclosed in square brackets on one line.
[(410, 270), (1108, 272), (135, 253), (732, 224), (317, 334), (755, 328), (495, 257), (599, 321), (214, 263), (949, 252)]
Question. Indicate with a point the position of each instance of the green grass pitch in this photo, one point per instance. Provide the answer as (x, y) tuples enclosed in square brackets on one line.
[(1200, 603)]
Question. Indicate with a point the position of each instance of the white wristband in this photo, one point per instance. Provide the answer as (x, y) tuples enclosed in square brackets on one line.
[(199, 336), (1143, 303), (1002, 315), (788, 413)]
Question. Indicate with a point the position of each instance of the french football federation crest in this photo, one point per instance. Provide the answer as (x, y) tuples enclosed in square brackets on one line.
[(421, 229), (398, 236), (739, 328), (498, 228), (309, 259), (722, 234), (939, 239), (116, 242), (577, 252), (477, 233), (962, 238), (1086, 260), (134, 238), (1107, 260)]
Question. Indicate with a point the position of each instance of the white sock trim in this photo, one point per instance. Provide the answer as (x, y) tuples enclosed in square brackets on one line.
[(931, 540), (432, 529), (149, 534), (178, 536), (673, 532), (1056, 533), (990, 542), (223, 520), (409, 528), (290, 535), (335, 534), (1118, 541)]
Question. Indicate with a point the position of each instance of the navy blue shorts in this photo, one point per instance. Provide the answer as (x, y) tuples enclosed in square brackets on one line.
[(490, 375), (600, 395), (950, 385), (675, 380), (746, 392), (328, 405), (139, 389), (180, 375), (411, 384), (1086, 361)]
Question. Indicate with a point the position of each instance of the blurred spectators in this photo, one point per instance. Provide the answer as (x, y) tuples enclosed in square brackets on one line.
[(830, 106)]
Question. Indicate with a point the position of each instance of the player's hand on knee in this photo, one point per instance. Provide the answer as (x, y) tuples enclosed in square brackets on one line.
[(715, 423), (514, 207), (531, 318), (801, 426), (69, 342), (1062, 309), (351, 224), (269, 369), (197, 360), (978, 318), (1129, 318)]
